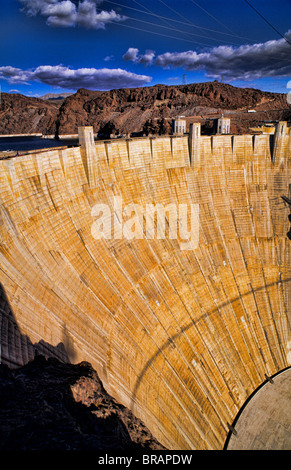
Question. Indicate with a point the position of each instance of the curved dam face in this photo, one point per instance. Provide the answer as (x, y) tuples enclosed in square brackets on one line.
[(180, 332)]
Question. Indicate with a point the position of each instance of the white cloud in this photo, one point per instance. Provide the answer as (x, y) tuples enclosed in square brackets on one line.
[(108, 58), (133, 55), (67, 13), (14, 75), (72, 79), (63, 13), (247, 62), (33, 7)]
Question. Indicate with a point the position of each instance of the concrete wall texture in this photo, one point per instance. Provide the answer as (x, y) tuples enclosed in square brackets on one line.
[(181, 337), (264, 423)]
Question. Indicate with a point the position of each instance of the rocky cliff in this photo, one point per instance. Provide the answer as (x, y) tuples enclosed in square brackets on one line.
[(151, 109), (140, 110), (50, 405), (21, 114)]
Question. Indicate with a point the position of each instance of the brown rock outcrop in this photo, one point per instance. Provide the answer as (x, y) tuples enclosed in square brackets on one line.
[(50, 405), (151, 109), (21, 114)]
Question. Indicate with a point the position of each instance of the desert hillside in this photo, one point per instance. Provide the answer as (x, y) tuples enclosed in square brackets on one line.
[(21, 114), (141, 111)]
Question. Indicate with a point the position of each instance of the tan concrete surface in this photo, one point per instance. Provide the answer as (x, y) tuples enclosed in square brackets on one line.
[(182, 337), (265, 422)]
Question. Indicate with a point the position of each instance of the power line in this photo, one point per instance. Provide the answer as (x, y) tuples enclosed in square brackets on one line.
[(180, 31), (162, 19), (188, 21), (268, 22), (151, 12), (176, 12), (211, 16), (178, 21), (160, 34)]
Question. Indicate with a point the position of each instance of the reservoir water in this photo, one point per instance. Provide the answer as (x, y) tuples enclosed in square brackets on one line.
[(19, 144)]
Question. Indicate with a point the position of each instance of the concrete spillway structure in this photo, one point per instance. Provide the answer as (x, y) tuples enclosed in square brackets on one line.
[(180, 336)]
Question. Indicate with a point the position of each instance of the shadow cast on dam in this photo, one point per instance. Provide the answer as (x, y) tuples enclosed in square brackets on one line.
[(16, 349), (47, 403)]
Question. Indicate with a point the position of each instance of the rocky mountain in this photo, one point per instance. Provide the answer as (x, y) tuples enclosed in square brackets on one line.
[(21, 114), (140, 111), (50, 405), (151, 109)]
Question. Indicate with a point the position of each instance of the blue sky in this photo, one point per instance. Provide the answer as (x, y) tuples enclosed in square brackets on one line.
[(54, 46)]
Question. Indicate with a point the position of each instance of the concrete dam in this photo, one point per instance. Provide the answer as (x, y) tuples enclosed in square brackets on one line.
[(180, 334)]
